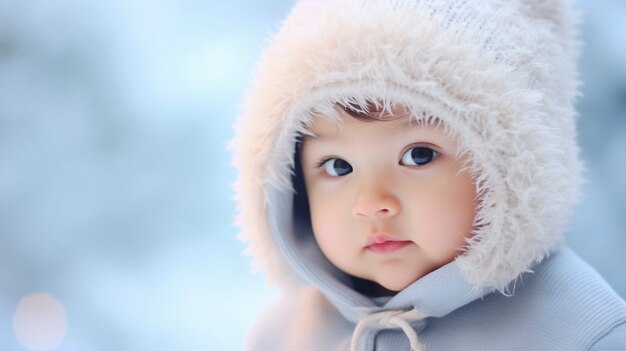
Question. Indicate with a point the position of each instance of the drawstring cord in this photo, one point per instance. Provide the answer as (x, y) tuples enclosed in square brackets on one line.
[(387, 319)]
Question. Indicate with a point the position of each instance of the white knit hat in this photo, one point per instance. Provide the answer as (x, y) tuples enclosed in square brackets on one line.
[(500, 74)]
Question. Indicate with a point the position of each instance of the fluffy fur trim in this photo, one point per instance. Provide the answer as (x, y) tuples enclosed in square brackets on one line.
[(501, 75)]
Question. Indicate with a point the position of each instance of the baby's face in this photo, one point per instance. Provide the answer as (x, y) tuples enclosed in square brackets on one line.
[(388, 201)]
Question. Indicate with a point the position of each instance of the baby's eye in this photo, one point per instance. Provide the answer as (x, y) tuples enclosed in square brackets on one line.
[(418, 156), (336, 167)]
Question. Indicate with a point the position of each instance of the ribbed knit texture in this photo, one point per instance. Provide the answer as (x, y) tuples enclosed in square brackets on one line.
[(563, 305)]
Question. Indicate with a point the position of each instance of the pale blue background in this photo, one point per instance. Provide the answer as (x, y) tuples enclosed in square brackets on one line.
[(115, 185)]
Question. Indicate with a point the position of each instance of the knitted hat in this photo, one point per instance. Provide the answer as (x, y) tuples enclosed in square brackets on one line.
[(501, 75)]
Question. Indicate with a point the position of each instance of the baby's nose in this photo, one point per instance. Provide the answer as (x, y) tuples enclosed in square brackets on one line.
[(376, 205)]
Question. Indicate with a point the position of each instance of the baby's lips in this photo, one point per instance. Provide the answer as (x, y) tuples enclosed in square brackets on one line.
[(380, 238)]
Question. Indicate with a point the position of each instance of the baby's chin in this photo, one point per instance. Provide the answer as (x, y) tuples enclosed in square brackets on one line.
[(388, 286), (396, 285), (394, 282)]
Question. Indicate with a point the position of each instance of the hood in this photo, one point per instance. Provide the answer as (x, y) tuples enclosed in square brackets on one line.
[(501, 75)]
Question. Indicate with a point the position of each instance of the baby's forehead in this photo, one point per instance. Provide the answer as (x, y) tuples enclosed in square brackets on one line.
[(327, 127)]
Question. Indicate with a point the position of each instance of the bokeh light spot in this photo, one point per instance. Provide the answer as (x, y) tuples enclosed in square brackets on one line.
[(40, 322)]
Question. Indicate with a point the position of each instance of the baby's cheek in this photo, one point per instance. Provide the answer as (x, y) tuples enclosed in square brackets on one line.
[(443, 237), (455, 233), (323, 223), (331, 233), (322, 220)]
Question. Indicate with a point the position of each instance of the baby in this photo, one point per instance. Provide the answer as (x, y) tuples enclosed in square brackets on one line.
[(407, 170), (388, 201)]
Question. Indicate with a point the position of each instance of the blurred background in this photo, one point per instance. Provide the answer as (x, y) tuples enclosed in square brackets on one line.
[(116, 206)]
